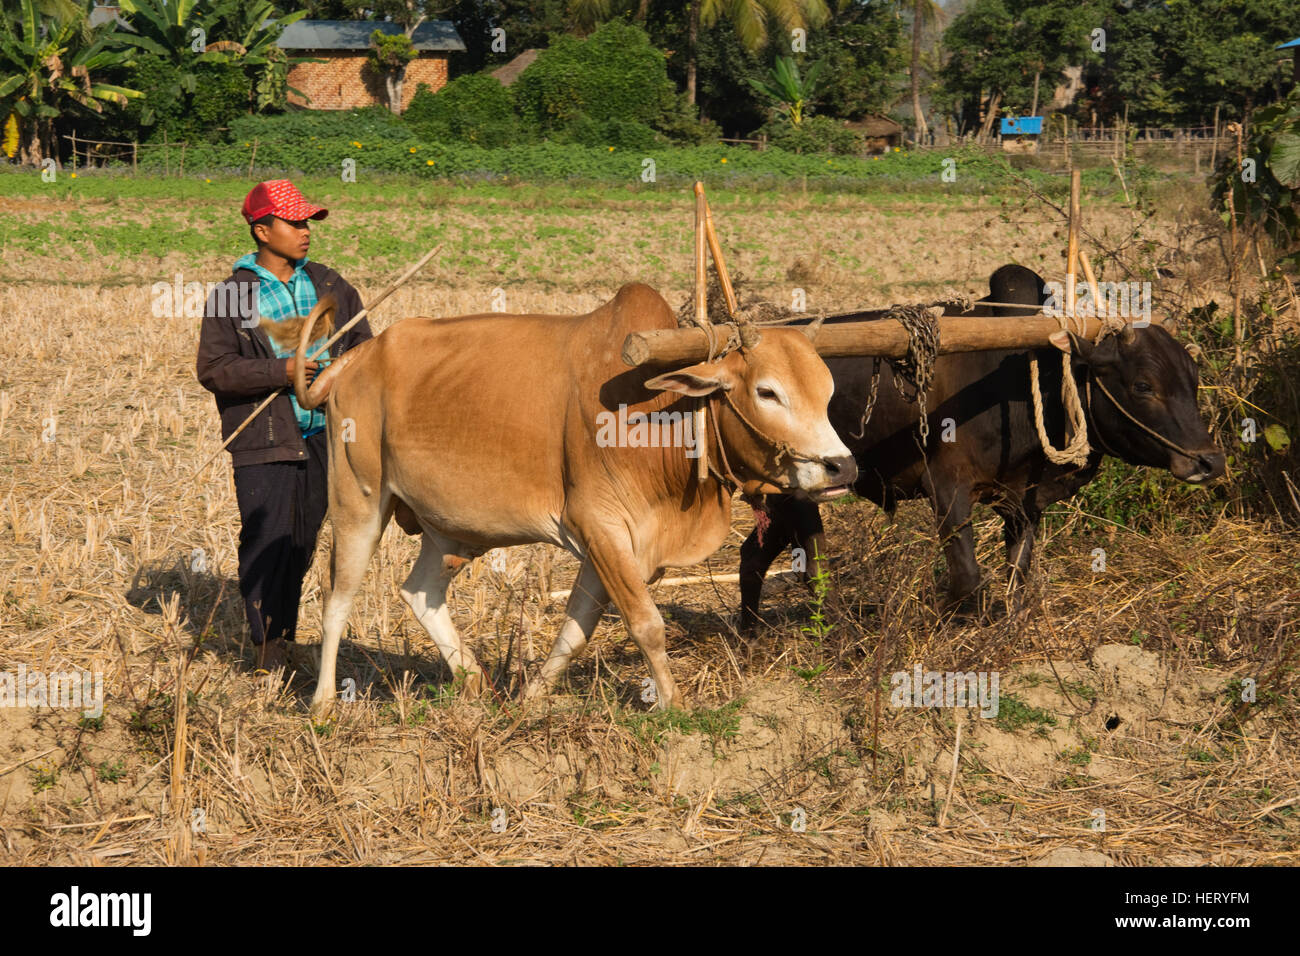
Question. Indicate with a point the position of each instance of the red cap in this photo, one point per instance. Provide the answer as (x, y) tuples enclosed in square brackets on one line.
[(279, 197)]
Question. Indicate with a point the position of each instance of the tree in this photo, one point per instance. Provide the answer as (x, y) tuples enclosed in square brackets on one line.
[(863, 51), (997, 47), (749, 18), (408, 14), (48, 66), (923, 12), (389, 54)]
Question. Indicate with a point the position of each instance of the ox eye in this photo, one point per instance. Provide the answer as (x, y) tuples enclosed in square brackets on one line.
[(1143, 388), (766, 394)]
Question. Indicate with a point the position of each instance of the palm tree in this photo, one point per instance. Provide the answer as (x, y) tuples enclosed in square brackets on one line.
[(923, 12), (750, 19), (46, 62)]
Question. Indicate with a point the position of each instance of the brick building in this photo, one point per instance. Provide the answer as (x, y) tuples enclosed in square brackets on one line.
[(345, 81)]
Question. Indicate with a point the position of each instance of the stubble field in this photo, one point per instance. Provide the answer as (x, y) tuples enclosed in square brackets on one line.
[(1121, 735)]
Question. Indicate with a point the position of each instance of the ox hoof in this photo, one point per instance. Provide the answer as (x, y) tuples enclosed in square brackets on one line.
[(321, 706), (474, 685)]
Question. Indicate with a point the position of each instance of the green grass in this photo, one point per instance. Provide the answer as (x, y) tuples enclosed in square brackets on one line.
[(1014, 714), (719, 724), (111, 772)]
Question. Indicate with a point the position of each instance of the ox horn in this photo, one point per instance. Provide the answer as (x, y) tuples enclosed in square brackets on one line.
[(312, 397), (815, 327), (1128, 335)]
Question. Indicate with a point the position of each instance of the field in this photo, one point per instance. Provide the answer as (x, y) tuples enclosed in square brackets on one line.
[(1122, 736)]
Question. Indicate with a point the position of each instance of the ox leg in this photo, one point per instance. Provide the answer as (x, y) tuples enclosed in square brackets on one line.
[(587, 602), (625, 582), (1018, 530), (810, 536), (356, 534), (952, 506), (425, 590), (756, 558)]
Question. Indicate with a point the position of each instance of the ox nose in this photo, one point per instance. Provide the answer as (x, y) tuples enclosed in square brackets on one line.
[(1214, 462), (842, 470)]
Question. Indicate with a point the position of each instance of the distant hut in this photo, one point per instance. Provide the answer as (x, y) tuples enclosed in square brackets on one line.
[(1294, 47), (879, 133), (342, 82), (1020, 133)]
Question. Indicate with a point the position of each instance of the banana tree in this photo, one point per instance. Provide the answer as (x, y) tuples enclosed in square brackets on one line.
[(176, 31), (46, 67), (787, 89), (248, 34)]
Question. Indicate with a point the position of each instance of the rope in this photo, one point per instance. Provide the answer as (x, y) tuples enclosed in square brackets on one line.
[(1077, 451)]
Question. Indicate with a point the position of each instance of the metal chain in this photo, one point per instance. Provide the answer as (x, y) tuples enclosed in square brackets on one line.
[(871, 398), (917, 367)]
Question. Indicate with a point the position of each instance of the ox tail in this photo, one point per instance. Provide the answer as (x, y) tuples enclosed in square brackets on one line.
[(314, 396)]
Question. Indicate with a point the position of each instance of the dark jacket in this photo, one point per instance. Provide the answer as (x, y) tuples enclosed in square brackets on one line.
[(238, 366)]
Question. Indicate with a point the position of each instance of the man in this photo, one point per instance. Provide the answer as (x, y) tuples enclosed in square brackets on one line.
[(246, 351)]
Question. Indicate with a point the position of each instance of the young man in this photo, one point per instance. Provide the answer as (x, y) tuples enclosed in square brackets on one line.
[(246, 351)]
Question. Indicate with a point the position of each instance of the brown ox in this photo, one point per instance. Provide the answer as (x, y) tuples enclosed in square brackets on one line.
[(490, 430)]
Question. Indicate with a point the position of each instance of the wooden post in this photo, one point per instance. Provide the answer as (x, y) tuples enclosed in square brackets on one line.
[(135, 157), (701, 318), (701, 278), (167, 162), (1072, 242), (74, 150), (183, 145), (1214, 148), (1033, 107), (252, 159)]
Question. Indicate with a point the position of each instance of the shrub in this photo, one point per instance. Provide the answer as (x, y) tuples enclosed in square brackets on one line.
[(470, 109), (816, 134), (613, 75), (221, 94), (371, 124)]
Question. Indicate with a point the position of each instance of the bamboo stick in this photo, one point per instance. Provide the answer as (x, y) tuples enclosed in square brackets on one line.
[(1089, 275), (715, 248), (1072, 242), (701, 319)]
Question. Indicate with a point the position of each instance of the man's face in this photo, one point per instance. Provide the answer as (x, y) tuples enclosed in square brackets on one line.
[(285, 238)]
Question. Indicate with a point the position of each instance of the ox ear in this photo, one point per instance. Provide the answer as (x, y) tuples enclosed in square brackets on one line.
[(696, 381), (1082, 351)]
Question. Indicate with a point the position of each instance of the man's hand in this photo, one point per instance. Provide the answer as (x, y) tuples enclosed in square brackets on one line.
[(312, 369)]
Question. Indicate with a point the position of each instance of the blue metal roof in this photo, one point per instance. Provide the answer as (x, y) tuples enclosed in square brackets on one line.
[(1283, 46), (355, 34), (1022, 125)]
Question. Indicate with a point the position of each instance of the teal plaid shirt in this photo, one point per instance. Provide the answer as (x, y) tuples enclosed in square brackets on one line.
[(277, 301)]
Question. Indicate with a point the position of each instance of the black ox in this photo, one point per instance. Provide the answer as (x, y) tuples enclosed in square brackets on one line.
[(996, 456)]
